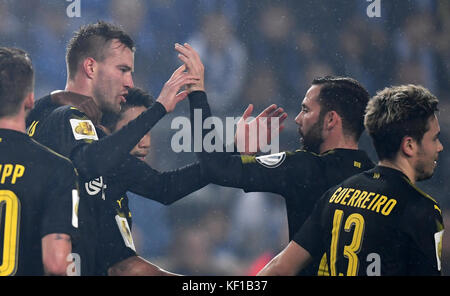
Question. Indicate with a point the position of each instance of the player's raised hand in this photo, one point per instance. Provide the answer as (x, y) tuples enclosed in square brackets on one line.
[(194, 65), (170, 94), (248, 133)]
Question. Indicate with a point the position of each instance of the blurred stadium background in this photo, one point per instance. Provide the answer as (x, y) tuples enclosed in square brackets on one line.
[(258, 52)]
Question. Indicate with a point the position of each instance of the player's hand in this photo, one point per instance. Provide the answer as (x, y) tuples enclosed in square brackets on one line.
[(194, 65), (170, 94), (248, 133)]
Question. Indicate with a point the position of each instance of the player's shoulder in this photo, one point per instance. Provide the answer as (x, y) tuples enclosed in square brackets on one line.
[(47, 155), (419, 200), (355, 155), (68, 112)]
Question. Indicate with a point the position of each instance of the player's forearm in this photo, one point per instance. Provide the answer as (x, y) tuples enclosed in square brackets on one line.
[(55, 249), (223, 168), (102, 156), (169, 187)]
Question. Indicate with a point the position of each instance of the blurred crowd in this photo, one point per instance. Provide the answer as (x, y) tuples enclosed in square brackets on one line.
[(258, 52)]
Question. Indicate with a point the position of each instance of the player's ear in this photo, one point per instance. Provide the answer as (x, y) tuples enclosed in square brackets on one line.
[(408, 146), (331, 119), (29, 101), (89, 67)]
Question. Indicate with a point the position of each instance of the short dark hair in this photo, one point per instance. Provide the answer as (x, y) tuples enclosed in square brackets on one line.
[(347, 97), (136, 97), (90, 41), (396, 112), (16, 79)]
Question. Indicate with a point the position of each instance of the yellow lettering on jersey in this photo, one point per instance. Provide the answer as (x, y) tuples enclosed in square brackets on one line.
[(333, 197), (340, 195), (379, 203), (362, 196), (363, 205), (347, 195), (13, 171), (356, 198), (18, 172)]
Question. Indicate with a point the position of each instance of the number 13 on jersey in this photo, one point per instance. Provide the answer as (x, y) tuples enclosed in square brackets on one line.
[(356, 222)]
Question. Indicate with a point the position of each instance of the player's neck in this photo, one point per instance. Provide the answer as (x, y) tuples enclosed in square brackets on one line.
[(341, 142), (16, 123), (400, 165), (78, 87)]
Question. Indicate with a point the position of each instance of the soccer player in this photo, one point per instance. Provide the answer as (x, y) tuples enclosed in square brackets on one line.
[(38, 188), (100, 59), (330, 124), (171, 188), (378, 222)]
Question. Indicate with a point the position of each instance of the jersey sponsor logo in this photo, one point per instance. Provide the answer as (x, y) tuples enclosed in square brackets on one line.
[(125, 231), (271, 161), (83, 129), (438, 247), (96, 186)]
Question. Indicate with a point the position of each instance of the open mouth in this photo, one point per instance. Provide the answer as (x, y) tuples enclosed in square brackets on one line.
[(141, 156)]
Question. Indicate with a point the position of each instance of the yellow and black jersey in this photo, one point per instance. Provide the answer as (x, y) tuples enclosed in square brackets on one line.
[(102, 242), (38, 196), (301, 177), (106, 172), (375, 223)]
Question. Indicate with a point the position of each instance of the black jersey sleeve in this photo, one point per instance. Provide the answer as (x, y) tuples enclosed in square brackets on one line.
[(424, 233), (269, 173), (107, 153), (164, 187), (69, 132), (310, 234), (60, 205)]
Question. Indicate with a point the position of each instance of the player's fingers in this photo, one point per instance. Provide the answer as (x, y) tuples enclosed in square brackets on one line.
[(180, 79), (183, 50), (283, 117), (248, 111), (194, 53), (268, 111), (181, 95), (191, 79), (178, 71), (277, 113), (185, 60)]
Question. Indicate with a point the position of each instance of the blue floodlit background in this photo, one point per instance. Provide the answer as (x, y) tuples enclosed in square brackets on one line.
[(254, 51)]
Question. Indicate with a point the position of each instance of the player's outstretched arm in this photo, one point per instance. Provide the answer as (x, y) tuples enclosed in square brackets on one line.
[(163, 187), (288, 262), (55, 249), (222, 168), (102, 156)]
